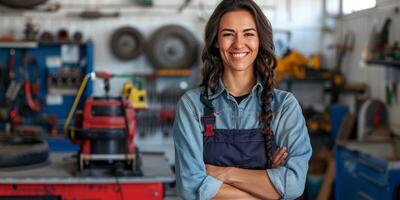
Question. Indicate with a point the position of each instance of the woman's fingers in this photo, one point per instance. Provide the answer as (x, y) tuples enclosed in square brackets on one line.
[(282, 159), (279, 157)]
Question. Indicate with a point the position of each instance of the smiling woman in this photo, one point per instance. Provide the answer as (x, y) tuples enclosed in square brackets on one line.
[(236, 137), (238, 42)]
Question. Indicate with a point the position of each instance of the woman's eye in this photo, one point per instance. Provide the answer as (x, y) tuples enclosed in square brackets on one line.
[(249, 34), (227, 34)]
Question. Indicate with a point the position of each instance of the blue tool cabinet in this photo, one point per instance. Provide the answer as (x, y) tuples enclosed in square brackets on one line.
[(363, 174), (52, 58)]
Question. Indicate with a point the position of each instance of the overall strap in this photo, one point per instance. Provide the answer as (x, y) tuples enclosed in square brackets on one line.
[(208, 118)]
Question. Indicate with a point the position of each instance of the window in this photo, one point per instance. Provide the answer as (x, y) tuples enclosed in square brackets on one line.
[(350, 6)]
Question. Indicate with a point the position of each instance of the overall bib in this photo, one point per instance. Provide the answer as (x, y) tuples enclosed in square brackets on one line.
[(242, 148)]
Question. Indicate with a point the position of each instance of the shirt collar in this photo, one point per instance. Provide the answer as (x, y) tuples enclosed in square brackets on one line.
[(257, 88)]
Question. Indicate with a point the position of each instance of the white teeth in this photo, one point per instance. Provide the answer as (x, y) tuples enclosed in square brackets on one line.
[(239, 55)]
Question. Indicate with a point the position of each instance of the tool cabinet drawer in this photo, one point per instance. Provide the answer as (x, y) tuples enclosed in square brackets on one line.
[(360, 175)]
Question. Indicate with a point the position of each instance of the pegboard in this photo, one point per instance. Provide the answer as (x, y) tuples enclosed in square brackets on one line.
[(54, 71)]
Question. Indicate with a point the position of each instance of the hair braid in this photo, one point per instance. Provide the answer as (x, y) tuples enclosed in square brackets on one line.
[(266, 112)]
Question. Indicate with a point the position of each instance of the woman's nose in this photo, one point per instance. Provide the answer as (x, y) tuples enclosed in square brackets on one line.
[(239, 41)]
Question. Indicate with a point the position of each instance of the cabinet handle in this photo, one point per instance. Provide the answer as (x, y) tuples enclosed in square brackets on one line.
[(372, 166), (365, 196), (372, 180)]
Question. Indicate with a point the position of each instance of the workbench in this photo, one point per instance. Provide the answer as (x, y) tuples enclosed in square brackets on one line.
[(57, 179), (368, 170)]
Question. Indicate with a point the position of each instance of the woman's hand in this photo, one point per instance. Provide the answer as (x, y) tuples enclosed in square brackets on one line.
[(220, 173), (279, 157)]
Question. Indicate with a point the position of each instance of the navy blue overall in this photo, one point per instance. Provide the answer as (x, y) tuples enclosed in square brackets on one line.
[(243, 148)]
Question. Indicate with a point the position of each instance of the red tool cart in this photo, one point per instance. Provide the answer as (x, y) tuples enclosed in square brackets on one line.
[(57, 179)]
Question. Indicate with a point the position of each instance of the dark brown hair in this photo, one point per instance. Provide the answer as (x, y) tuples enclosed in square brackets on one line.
[(264, 63)]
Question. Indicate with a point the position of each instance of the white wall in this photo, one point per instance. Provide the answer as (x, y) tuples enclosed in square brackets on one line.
[(361, 23)]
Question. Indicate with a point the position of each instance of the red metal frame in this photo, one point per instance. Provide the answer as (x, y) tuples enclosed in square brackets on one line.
[(85, 191)]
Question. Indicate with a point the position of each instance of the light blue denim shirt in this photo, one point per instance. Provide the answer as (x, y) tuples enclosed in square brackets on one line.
[(288, 126)]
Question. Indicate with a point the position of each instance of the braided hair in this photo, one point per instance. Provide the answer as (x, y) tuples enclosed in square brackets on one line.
[(264, 63)]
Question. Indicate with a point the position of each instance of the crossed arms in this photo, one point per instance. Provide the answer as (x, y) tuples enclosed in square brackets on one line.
[(245, 183)]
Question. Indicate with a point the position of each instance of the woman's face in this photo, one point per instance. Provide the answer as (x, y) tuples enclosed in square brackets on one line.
[(238, 41)]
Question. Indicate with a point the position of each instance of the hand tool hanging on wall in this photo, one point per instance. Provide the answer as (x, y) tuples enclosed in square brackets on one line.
[(127, 43), (184, 5), (172, 47), (31, 88), (338, 80), (392, 79), (344, 48), (13, 86), (383, 41), (96, 14)]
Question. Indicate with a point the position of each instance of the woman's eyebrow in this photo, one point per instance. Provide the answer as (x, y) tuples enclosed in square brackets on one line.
[(227, 29), (245, 30), (249, 29)]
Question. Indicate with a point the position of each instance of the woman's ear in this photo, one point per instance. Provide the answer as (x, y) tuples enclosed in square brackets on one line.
[(216, 45)]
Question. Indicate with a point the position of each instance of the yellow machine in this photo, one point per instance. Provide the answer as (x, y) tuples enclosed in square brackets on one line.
[(138, 97), (295, 64), (315, 62)]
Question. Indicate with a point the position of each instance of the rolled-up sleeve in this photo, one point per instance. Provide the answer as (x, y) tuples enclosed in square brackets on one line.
[(191, 178), (291, 131)]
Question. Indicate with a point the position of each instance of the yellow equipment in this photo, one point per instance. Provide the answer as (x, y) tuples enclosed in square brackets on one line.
[(315, 62), (138, 97), (294, 64)]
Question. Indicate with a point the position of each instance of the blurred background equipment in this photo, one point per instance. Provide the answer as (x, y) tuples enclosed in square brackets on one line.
[(373, 121), (127, 43), (105, 130), (22, 151), (172, 47), (38, 84)]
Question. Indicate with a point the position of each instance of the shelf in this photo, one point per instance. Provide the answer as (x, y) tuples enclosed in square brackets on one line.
[(19, 44), (306, 80), (173, 72), (395, 63), (35, 44), (62, 43)]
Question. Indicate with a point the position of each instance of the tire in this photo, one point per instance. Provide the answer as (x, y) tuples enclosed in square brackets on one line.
[(18, 151), (127, 43), (172, 47), (22, 3)]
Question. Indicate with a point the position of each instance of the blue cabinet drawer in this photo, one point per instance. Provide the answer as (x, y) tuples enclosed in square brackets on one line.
[(360, 176)]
